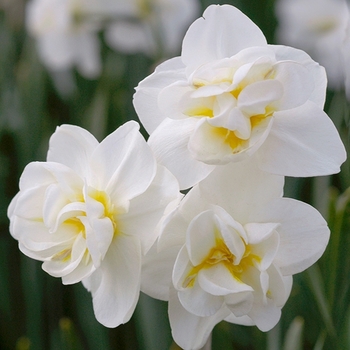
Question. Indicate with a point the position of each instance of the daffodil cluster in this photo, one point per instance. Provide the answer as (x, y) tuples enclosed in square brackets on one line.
[(228, 119)]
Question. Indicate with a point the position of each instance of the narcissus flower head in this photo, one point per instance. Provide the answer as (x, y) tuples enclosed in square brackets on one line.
[(231, 96), (229, 251), (91, 212)]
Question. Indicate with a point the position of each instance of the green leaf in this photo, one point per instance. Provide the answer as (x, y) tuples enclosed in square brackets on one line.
[(317, 287)]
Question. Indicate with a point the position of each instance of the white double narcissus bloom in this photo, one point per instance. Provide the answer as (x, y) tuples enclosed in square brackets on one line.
[(228, 252), (90, 213), (231, 96)]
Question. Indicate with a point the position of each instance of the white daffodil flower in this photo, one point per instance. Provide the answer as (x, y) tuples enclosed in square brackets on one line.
[(231, 96), (153, 27), (319, 28), (66, 33), (228, 252), (91, 212)]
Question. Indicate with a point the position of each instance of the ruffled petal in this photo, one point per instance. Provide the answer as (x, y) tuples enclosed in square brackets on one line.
[(123, 164), (157, 267), (239, 187), (146, 210), (169, 143), (218, 280), (254, 99), (200, 237), (318, 73), (115, 285), (146, 96), (302, 142), (296, 82), (266, 311), (188, 330), (38, 243), (239, 303), (198, 302), (303, 233), (72, 146), (219, 34)]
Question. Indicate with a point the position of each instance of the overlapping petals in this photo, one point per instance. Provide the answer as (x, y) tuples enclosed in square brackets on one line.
[(91, 212), (229, 251), (230, 96)]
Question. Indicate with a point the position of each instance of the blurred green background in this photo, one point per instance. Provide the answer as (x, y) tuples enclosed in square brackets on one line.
[(38, 312)]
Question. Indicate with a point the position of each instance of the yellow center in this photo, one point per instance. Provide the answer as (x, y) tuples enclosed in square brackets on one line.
[(76, 226), (228, 136), (220, 254), (109, 208)]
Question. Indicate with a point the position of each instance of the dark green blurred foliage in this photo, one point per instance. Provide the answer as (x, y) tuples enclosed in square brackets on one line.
[(38, 313)]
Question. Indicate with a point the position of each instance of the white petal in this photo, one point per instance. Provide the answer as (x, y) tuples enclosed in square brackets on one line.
[(218, 280), (242, 320), (157, 268), (37, 241), (302, 142), (146, 210), (198, 302), (318, 73), (182, 274), (146, 96), (211, 144), (297, 84), (279, 286), (169, 143), (29, 203), (173, 231), (200, 237), (239, 303), (258, 233), (71, 210), (59, 267), (85, 269), (188, 330), (176, 102), (72, 146), (68, 180), (265, 318), (218, 35), (123, 164), (99, 238), (55, 200), (214, 145), (254, 98), (266, 312), (115, 284), (232, 233), (264, 243), (239, 187), (303, 233), (35, 174)]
